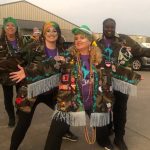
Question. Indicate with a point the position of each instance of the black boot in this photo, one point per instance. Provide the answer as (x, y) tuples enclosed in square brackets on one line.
[(120, 143), (11, 122), (70, 136)]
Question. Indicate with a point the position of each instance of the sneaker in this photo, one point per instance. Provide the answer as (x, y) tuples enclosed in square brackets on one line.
[(108, 147), (119, 142), (70, 136), (11, 122)]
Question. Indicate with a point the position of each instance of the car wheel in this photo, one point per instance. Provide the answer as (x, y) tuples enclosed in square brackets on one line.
[(136, 64)]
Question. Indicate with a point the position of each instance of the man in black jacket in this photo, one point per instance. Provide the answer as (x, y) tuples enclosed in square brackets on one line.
[(110, 45)]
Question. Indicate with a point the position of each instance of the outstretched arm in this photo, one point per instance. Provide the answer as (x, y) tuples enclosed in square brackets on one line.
[(41, 70)]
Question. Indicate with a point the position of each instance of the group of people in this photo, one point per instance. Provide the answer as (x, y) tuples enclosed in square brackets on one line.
[(85, 82)]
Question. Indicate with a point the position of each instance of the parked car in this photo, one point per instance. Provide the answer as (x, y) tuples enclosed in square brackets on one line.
[(141, 55), (141, 62)]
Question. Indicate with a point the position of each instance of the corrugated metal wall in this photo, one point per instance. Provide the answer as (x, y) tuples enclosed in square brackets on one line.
[(26, 11)]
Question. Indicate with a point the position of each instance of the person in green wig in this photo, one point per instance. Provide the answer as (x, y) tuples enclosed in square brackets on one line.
[(10, 48)]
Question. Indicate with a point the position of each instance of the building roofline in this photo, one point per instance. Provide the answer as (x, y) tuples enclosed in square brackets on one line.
[(138, 35), (39, 8), (12, 2)]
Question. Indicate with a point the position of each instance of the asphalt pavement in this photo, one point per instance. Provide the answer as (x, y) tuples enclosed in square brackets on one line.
[(137, 128)]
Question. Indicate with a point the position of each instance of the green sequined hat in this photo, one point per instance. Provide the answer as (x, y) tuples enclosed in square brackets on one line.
[(83, 28), (9, 19)]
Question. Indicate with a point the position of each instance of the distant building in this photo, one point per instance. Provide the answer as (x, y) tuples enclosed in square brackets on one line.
[(140, 38), (29, 16)]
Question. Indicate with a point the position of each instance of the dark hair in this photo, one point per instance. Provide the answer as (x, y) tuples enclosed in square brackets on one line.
[(60, 40), (109, 19), (3, 37)]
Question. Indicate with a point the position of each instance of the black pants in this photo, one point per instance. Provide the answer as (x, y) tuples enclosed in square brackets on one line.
[(26, 118), (57, 129), (56, 132), (120, 113), (119, 120), (8, 99), (102, 134)]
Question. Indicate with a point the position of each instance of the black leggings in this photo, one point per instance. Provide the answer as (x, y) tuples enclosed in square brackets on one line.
[(26, 118), (8, 99)]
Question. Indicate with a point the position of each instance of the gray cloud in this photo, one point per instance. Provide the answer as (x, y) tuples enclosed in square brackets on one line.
[(132, 16)]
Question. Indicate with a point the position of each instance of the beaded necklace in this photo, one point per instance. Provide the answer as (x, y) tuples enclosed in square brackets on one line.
[(93, 80), (80, 74), (16, 50)]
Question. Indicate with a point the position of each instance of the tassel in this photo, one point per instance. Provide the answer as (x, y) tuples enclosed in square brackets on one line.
[(77, 118), (99, 119), (71, 118), (124, 87), (43, 85)]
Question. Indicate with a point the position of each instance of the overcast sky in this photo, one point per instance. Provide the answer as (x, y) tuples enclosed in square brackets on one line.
[(132, 16)]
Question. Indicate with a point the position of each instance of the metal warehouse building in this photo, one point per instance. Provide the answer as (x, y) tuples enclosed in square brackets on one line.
[(29, 16)]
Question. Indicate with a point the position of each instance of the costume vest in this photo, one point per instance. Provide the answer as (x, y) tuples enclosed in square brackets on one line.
[(117, 57)]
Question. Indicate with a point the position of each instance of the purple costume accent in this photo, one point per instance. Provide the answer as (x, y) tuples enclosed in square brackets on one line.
[(107, 42), (86, 94), (13, 44), (51, 52)]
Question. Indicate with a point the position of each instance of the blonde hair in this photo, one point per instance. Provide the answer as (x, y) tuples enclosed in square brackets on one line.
[(95, 54)]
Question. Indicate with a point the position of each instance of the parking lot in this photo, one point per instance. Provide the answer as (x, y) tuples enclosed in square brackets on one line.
[(137, 128)]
